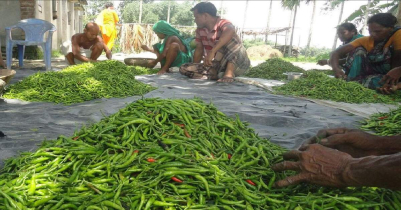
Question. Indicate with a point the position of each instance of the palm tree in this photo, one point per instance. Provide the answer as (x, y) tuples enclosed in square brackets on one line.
[(243, 23), (364, 28), (268, 21), (338, 23), (399, 13), (311, 24), (140, 11), (168, 12), (292, 5)]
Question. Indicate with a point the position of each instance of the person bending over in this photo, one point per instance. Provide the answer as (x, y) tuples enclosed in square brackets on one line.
[(224, 55), (173, 52), (85, 47)]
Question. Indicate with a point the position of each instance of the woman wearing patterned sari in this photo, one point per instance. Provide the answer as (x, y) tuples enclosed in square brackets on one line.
[(347, 33), (376, 61)]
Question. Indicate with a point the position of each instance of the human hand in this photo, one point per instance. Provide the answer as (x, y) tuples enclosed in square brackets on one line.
[(388, 89), (209, 58), (322, 62), (108, 54), (338, 73), (317, 165), (392, 77), (145, 47), (351, 141)]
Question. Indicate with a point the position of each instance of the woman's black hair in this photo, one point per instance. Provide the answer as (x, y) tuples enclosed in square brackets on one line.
[(384, 19), (349, 27), (109, 4)]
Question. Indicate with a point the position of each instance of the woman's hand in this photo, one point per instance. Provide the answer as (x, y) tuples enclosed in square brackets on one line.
[(338, 73), (392, 77), (209, 58)]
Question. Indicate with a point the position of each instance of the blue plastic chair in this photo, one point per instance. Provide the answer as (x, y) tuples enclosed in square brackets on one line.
[(34, 32)]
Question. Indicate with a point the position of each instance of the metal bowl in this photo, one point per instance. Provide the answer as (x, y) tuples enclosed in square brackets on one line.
[(6, 75), (137, 61), (293, 75)]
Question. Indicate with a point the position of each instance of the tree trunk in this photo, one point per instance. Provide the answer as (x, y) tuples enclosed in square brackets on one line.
[(338, 23), (140, 11), (168, 12), (221, 9), (364, 28), (268, 21), (399, 14), (311, 24), (292, 32), (243, 23), (287, 32)]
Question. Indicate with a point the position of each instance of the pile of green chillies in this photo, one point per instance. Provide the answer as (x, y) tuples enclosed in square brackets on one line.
[(273, 68), (167, 154), (318, 85), (384, 124), (79, 83)]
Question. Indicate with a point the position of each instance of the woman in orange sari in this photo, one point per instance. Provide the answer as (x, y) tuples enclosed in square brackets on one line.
[(107, 20)]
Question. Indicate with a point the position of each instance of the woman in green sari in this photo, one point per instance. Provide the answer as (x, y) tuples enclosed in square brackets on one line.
[(173, 51)]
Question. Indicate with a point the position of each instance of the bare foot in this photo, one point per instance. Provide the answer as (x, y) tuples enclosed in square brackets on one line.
[(162, 71), (226, 79), (70, 58)]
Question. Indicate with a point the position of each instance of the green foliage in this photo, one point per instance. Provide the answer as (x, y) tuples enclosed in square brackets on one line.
[(33, 53), (318, 85), (56, 53), (301, 58), (314, 51), (93, 9), (255, 42), (183, 16), (311, 55), (79, 83), (180, 13), (273, 69), (358, 16), (384, 124)]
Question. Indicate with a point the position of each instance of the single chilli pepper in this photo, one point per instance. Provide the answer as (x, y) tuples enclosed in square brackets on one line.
[(75, 138), (229, 156), (382, 118), (176, 179), (250, 182), (151, 160), (186, 133)]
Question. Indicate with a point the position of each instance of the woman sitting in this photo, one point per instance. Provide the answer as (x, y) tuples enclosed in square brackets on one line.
[(379, 56), (347, 33), (173, 52)]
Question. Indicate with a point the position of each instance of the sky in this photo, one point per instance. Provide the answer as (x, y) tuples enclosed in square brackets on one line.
[(323, 29)]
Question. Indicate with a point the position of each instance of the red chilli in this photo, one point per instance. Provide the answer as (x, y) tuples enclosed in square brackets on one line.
[(229, 156), (75, 138), (382, 118), (151, 160), (250, 182), (186, 133), (176, 179)]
